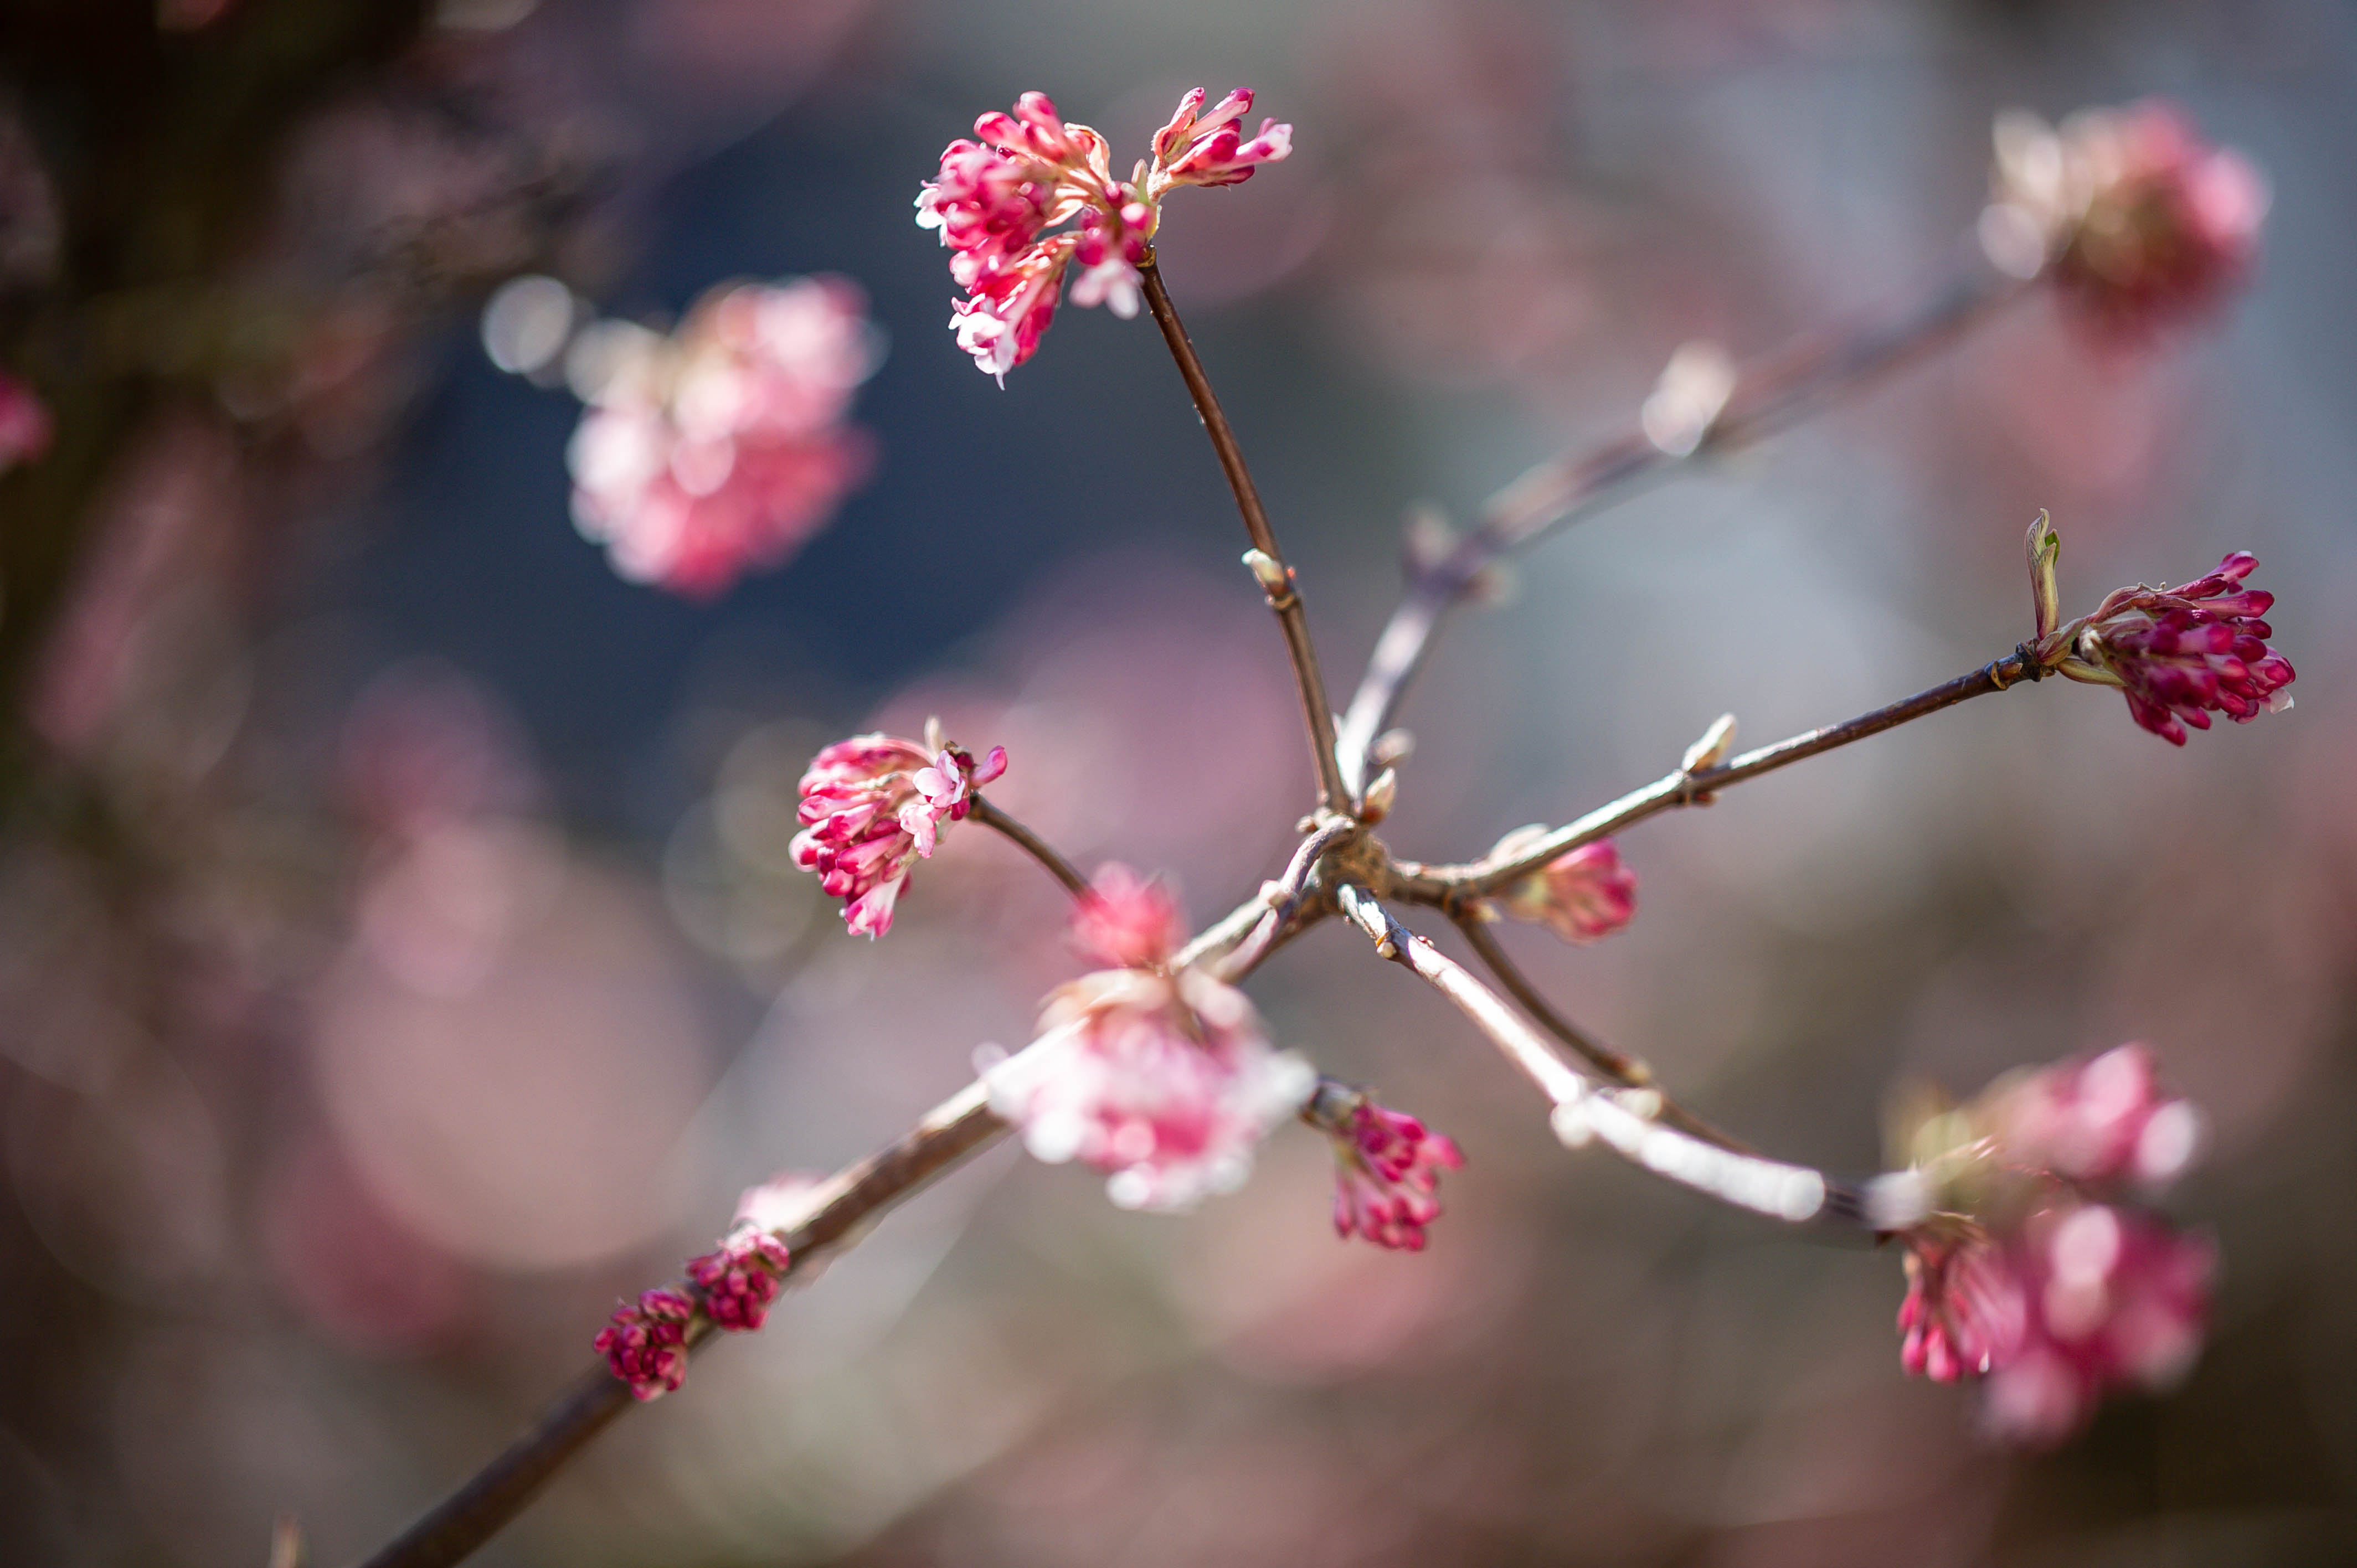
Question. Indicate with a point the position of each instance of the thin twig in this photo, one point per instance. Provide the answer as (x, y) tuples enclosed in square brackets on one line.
[(853, 1200), (1031, 843), (1450, 884), (1624, 1119), (1771, 394), (1283, 899), (1628, 1071), (1283, 595)]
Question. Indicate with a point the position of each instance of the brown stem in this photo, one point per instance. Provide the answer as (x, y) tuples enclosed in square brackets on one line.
[(851, 1199), (1283, 597), (1772, 393), (1031, 843), (1627, 1120), (1622, 1068), (855, 1198), (1450, 884)]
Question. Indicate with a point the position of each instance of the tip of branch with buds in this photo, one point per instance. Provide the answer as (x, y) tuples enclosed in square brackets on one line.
[(997, 202), (2137, 221), (2178, 655)]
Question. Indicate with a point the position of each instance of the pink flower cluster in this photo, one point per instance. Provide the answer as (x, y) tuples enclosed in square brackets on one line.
[(2183, 654), (874, 805), (723, 447), (1583, 896), (25, 429), (2141, 221), (1387, 1176), (646, 1345), (1160, 1078), (996, 199), (740, 1277), (2055, 1291)]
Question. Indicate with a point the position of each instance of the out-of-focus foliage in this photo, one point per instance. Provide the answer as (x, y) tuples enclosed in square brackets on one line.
[(400, 956)]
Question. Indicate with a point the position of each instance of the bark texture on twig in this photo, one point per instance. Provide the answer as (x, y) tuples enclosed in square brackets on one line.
[(1770, 395), (1283, 596), (1449, 885)]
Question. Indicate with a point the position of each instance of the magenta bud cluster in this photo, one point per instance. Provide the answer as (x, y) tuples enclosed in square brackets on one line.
[(1387, 1176), (2197, 649)]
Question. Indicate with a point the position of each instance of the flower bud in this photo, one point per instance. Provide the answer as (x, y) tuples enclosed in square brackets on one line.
[(1712, 749), (2046, 598)]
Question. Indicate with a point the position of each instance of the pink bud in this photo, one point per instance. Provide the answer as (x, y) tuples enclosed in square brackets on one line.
[(646, 1345), (1583, 896)]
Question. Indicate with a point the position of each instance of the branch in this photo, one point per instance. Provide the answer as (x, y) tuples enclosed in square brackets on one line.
[(1624, 1119), (1031, 843), (1276, 578), (1282, 900), (1451, 885), (855, 1198), (1627, 1071), (851, 1201), (1774, 392)]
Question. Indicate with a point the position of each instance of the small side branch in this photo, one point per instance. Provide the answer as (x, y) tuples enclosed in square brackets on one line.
[(1451, 885), (1627, 1120), (1031, 843), (851, 1201), (1283, 598), (1771, 394)]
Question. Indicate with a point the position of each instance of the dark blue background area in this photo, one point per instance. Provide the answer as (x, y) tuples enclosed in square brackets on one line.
[(977, 490)]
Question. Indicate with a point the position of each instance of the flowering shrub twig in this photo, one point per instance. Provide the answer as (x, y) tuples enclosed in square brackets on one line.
[(2030, 1263)]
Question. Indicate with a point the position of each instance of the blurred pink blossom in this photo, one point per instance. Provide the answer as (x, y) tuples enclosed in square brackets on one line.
[(780, 1203), (1963, 1311), (872, 806), (2142, 222), (1127, 921), (739, 1278), (1387, 1176), (2027, 1273), (646, 1345), (1583, 896), (721, 447), (26, 428), (2100, 1121), (1164, 1080), (2115, 1300)]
